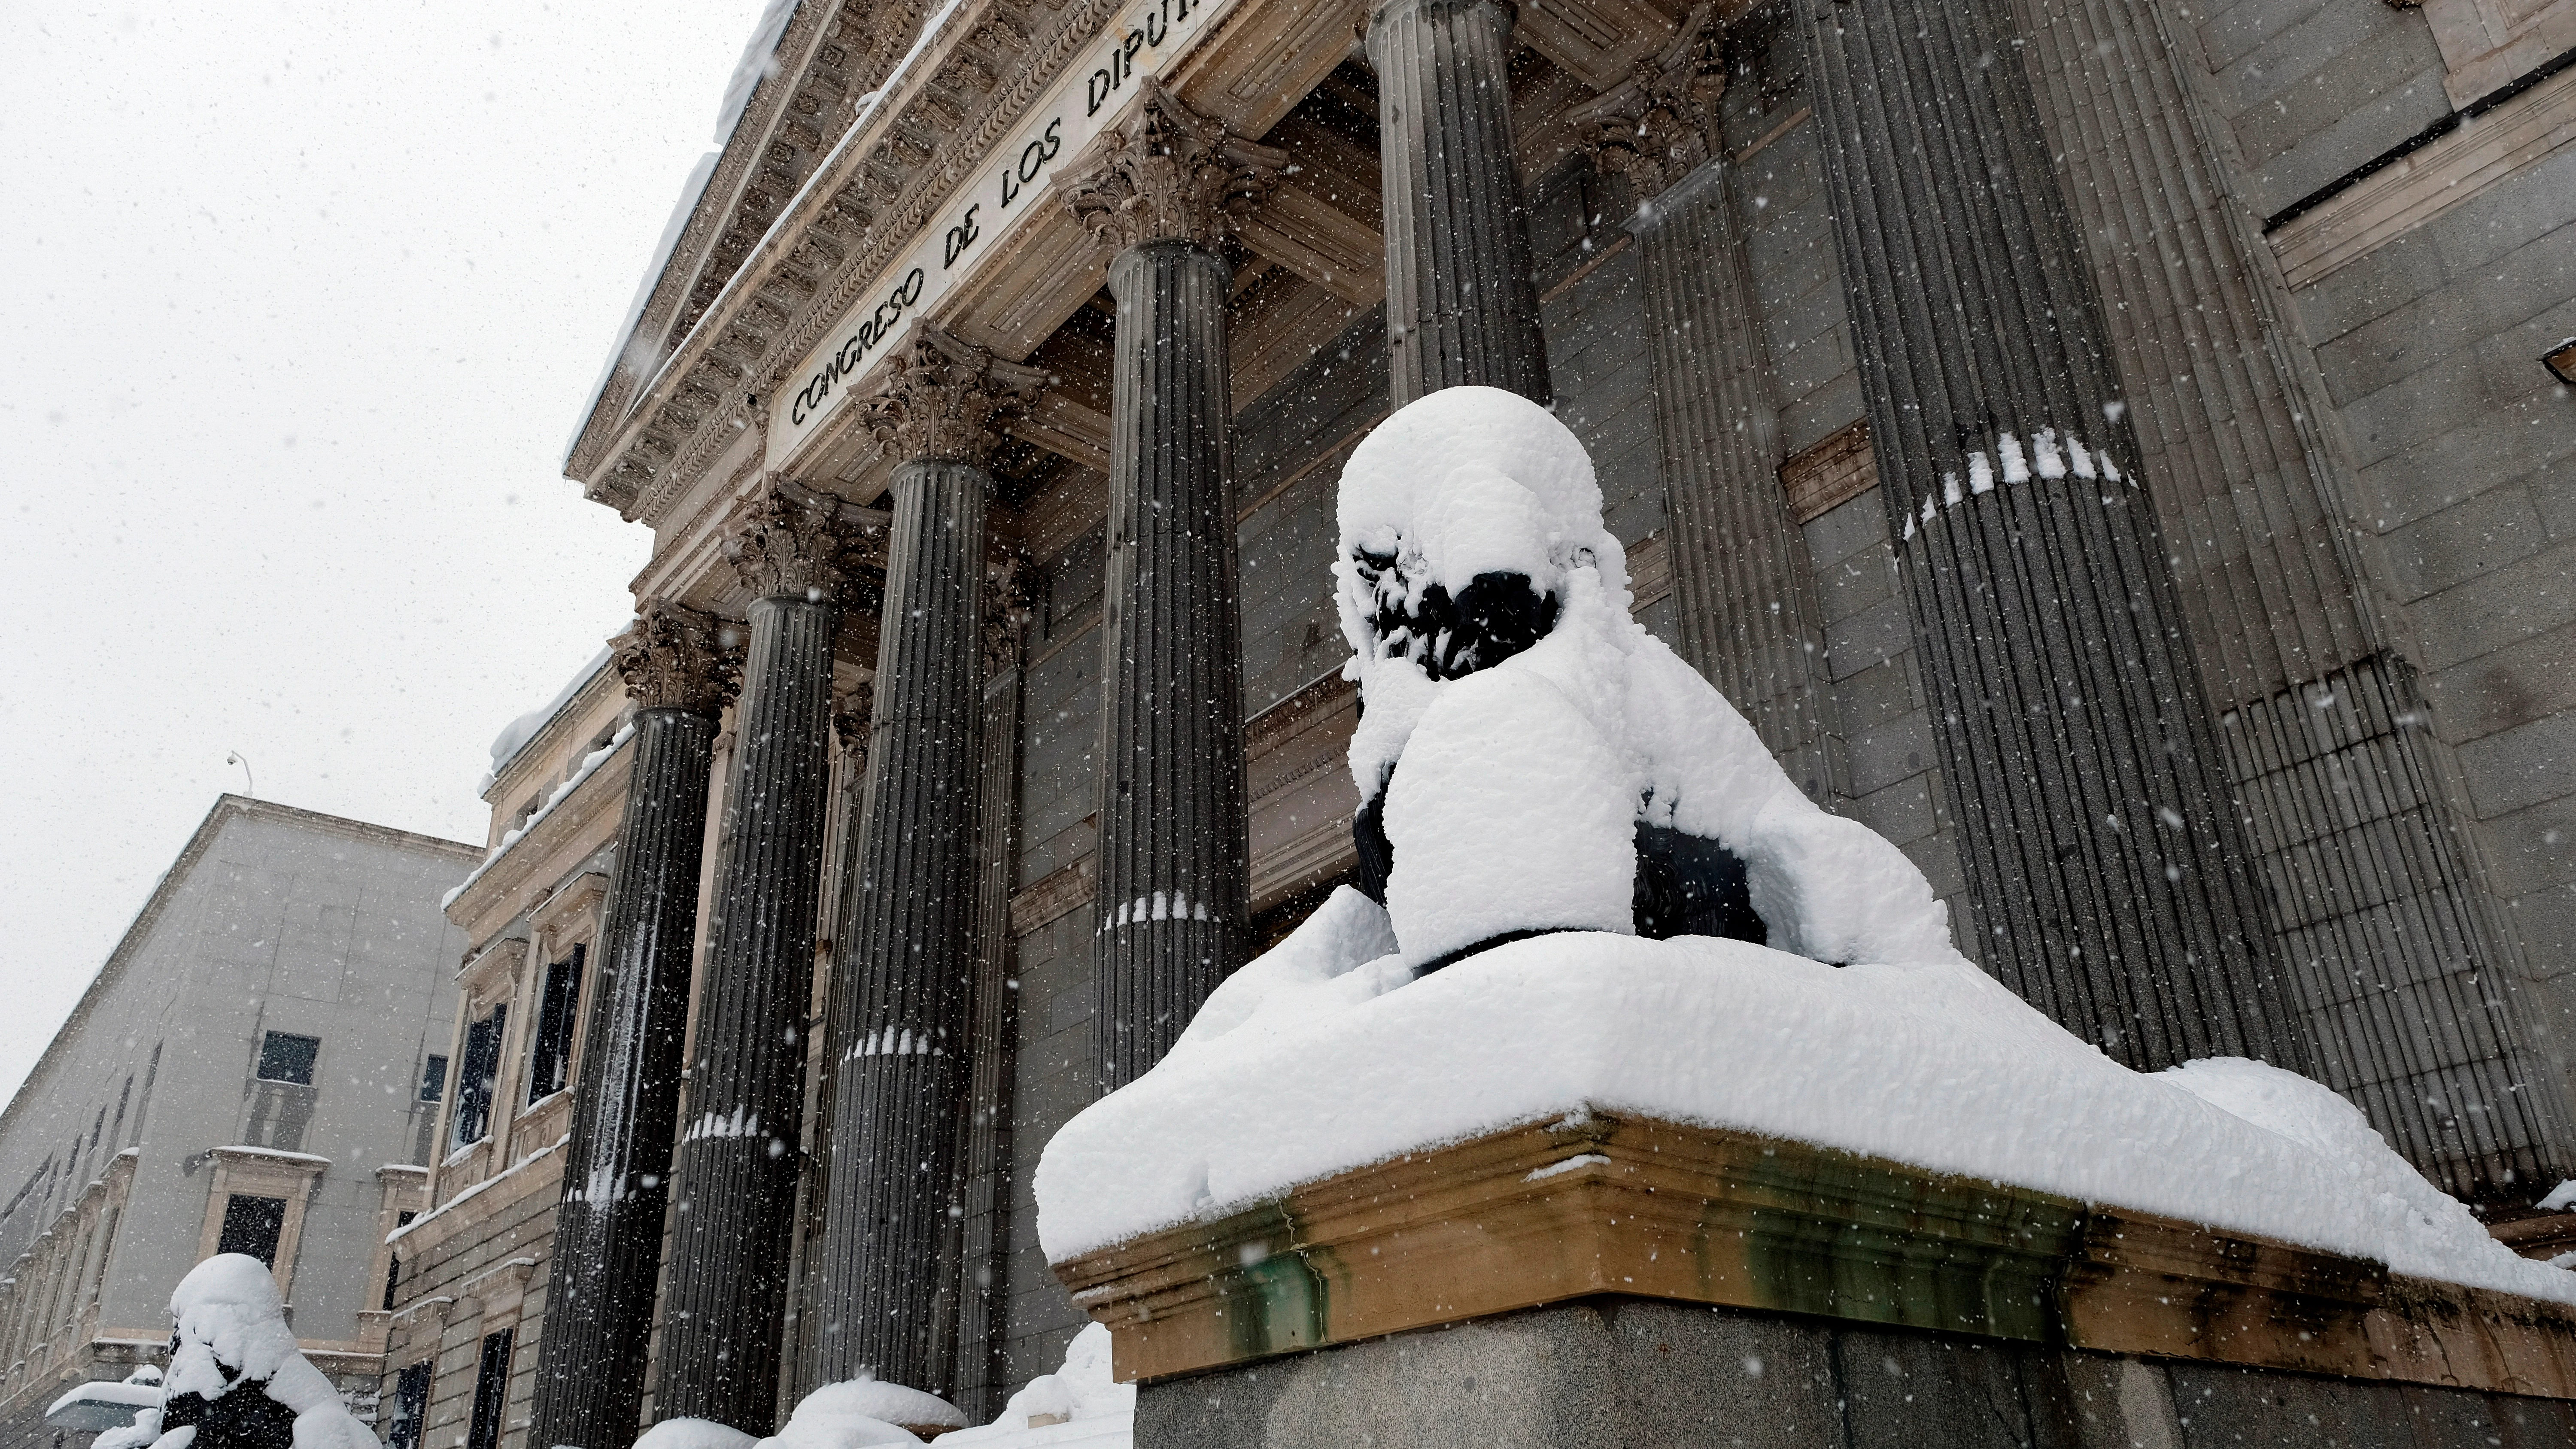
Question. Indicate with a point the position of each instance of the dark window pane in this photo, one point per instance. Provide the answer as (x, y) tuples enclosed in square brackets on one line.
[(251, 1225), (393, 1261), (491, 1388), (411, 1406), (433, 1078), (475, 1076), (550, 1061), (285, 1058)]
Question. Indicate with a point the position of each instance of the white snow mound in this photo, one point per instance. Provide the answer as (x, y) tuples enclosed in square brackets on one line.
[(1098, 1410), (693, 1434), (1936, 1065), (232, 1335), (859, 1412)]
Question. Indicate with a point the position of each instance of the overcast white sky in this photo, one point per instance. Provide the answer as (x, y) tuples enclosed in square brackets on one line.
[(299, 304)]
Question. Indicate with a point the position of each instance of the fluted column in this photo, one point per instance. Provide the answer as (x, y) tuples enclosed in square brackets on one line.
[(1173, 855), (737, 1163), (617, 1165), (902, 983), (1461, 305), (2097, 833), (985, 1172), (1750, 619), (2378, 902)]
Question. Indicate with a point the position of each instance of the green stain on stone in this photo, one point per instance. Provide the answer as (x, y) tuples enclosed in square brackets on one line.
[(1276, 1301), (1847, 1239)]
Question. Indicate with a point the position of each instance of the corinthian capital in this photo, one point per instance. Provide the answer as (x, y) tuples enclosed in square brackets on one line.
[(1661, 123), (1169, 174), (1007, 611), (854, 709), (783, 539), (673, 657), (945, 399)]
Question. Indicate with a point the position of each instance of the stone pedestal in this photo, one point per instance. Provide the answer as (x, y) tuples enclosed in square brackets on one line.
[(738, 1158), (1173, 860), (1461, 305), (1648, 1285), (617, 1165)]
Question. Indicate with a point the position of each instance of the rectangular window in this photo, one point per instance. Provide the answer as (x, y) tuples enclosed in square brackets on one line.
[(491, 1389), (251, 1225), (287, 1058), (433, 1078), (411, 1407), (551, 1061), (475, 1077), (393, 1261)]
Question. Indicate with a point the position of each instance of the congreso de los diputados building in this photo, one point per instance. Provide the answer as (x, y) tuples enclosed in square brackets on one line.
[(2123, 451)]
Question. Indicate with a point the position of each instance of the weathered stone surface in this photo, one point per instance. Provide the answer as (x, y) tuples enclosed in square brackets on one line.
[(1596, 1205), (1620, 1373)]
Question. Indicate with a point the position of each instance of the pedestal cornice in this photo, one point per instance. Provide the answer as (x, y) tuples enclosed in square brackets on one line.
[(1596, 1205)]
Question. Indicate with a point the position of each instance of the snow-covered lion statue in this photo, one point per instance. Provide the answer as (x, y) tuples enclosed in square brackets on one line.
[(1531, 759)]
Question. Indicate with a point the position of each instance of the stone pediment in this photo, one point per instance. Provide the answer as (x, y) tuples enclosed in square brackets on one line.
[(798, 212)]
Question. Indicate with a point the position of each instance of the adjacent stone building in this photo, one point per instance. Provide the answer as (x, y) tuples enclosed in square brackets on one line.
[(258, 1068), (2120, 450)]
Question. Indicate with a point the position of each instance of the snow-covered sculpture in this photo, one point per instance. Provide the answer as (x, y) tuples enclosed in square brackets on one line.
[(237, 1380), (1532, 759)]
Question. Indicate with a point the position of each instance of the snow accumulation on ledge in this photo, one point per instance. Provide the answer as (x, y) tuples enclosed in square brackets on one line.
[(1299, 1068)]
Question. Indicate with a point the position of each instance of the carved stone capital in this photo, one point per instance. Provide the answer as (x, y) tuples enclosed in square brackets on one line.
[(946, 400), (783, 539), (1661, 123), (673, 657), (854, 708), (1007, 611), (1169, 174)]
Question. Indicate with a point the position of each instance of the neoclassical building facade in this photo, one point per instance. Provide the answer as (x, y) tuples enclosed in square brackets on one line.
[(2118, 449)]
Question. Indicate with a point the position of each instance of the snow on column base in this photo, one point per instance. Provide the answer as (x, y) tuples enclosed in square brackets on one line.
[(1077, 1405)]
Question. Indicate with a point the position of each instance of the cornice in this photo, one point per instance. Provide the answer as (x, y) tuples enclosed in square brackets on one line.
[(894, 171), (713, 215), (552, 850)]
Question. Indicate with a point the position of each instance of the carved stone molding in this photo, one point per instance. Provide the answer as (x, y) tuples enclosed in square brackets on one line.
[(1007, 610), (1169, 175), (673, 657), (947, 400), (1661, 123), (854, 708), (785, 540)]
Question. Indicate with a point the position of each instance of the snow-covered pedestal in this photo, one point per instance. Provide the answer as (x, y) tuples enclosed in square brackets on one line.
[(1641, 1132)]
